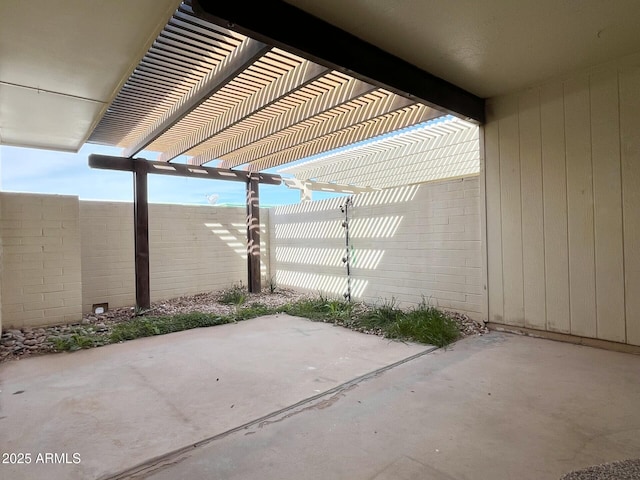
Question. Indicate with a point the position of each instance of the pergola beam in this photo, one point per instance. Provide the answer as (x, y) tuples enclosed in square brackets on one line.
[(299, 184), (298, 32), (106, 162), (242, 57)]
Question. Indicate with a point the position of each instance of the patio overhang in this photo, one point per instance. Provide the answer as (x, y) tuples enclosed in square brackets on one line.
[(62, 63), (444, 148)]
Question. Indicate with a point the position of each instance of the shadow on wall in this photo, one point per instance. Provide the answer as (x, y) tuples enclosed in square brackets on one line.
[(331, 275), (236, 239), (193, 248), (408, 243)]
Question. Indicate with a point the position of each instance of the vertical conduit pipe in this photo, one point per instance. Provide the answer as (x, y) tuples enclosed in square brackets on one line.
[(347, 258)]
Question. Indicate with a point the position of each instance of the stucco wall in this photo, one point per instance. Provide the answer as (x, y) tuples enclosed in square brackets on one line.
[(563, 202), (408, 243)]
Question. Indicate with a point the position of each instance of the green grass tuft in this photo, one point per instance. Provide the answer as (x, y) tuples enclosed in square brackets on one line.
[(149, 326), (252, 311), (273, 285), (424, 325), (381, 316), (320, 308), (236, 295), (77, 341)]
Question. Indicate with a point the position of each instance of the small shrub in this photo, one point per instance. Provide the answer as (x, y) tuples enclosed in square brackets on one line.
[(236, 295)]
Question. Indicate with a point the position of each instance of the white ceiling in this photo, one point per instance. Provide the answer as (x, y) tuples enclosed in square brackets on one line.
[(491, 47), (62, 61)]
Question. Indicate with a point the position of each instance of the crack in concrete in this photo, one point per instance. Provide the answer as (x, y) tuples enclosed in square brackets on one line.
[(160, 462), (326, 403)]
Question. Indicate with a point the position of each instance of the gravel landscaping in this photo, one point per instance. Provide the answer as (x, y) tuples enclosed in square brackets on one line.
[(20, 343), (624, 470)]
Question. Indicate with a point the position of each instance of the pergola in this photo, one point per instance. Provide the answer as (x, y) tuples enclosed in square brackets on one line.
[(443, 148), (225, 88)]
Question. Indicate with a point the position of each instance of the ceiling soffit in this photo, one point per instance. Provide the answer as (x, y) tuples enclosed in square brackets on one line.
[(62, 62)]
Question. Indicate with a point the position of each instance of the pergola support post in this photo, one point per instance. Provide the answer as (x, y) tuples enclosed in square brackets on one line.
[(141, 235), (253, 234), (141, 168)]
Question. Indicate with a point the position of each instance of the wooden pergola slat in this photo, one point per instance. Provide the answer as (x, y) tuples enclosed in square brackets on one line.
[(241, 58), (284, 85)]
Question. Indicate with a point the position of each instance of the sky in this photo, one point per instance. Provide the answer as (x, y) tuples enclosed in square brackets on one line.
[(45, 171)]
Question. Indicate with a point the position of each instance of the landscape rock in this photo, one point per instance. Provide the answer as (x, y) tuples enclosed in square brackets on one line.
[(16, 343)]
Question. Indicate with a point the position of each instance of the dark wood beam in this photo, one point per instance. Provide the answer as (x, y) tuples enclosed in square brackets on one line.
[(289, 28), (141, 236), (106, 162), (253, 235)]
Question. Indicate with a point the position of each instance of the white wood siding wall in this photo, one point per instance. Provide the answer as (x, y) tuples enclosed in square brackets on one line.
[(563, 205)]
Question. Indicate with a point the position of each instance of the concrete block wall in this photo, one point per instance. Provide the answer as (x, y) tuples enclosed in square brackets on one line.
[(108, 268), (193, 249), (199, 248), (41, 265), (60, 256), (408, 243)]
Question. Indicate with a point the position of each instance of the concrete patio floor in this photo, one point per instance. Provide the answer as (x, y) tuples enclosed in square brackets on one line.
[(494, 407), (498, 406), (120, 405)]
